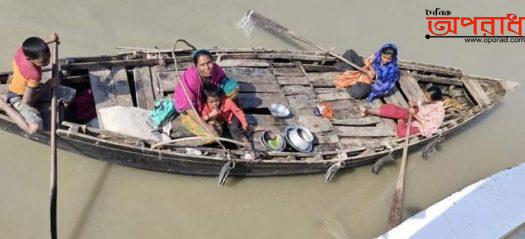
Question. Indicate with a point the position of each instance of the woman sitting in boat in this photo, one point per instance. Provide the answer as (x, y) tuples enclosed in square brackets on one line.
[(188, 96), (428, 115), (381, 76)]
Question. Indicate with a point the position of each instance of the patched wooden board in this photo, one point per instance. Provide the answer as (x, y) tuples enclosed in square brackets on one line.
[(243, 62), (103, 88), (259, 100), (324, 79), (292, 80), (314, 124), (143, 89), (410, 87), (121, 87), (350, 131), (250, 74), (477, 92)]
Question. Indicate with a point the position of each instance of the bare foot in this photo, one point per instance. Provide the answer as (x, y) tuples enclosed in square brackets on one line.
[(362, 110)]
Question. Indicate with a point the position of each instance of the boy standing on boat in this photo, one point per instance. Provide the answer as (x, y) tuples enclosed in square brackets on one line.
[(25, 87)]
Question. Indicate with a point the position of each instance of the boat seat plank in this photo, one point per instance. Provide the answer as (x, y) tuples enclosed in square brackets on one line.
[(103, 88), (259, 100), (350, 131), (396, 98), (243, 63), (329, 90), (410, 87), (288, 71), (287, 80), (325, 138), (143, 91), (326, 147), (385, 122), (323, 79), (251, 74), (477, 92), (121, 87)]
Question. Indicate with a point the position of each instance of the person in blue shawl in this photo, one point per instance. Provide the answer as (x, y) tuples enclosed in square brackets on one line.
[(386, 71)]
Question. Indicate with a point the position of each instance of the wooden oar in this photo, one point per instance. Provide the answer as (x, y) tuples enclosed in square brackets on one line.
[(397, 202), (53, 191), (269, 25)]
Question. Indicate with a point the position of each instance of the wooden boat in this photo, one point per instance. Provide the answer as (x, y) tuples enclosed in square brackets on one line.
[(297, 79)]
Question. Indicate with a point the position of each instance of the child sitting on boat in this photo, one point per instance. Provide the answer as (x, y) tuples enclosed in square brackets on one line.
[(220, 111), (428, 115), (25, 87)]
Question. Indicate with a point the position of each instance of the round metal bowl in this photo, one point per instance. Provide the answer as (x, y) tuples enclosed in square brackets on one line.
[(264, 140), (279, 110), (300, 138)]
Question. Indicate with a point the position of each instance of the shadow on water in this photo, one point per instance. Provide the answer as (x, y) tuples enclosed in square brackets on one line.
[(93, 195)]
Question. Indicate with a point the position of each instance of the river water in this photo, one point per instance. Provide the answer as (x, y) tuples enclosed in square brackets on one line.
[(98, 200)]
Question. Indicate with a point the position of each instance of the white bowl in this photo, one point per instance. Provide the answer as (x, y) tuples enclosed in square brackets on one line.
[(299, 138), (279, 110)]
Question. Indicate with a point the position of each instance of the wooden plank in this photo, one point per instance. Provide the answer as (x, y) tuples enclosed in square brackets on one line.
[(350, 131), (288, 71), (167, 81), (439, 80), (243, 62), (325, 138), (385, 122), (396, 98), (324, 79), (155, 83), (343, 114), (410, 87), (246, 87), (103, 88), (318, 68), (300, 101), (143, 91), (298, 90), (368, 142), (259, 100), (251, 74), (293, 81), (327, 147), (329, 90), (477, 92), (121, 86), (259, 119), (314, 124), (423, 67), (334, 96), (362, 121)]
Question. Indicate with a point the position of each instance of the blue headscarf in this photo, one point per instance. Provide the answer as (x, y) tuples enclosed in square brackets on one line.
[(386, 75)]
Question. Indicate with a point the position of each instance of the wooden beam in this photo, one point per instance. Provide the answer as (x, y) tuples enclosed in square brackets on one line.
[(292, 80), (349, 131), (324, 79), (103, 88), (298, 90), (410, 87), (362, 121), (259, 100), (477, 92), (288, 71), (243, 63), (439, 80)]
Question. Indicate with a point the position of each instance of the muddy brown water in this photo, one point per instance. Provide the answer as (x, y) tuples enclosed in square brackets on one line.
[(99, 200)]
